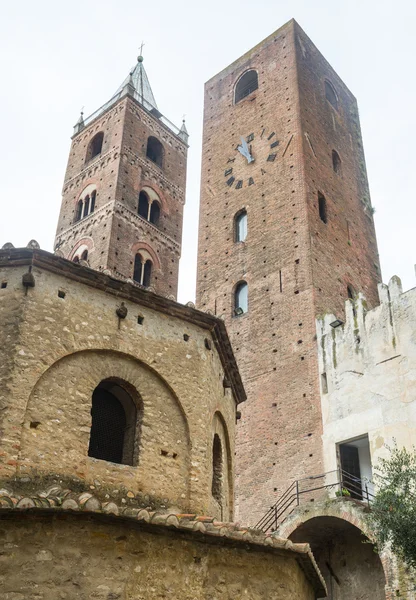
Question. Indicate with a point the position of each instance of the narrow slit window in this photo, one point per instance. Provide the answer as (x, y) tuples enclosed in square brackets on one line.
[(93, 195), (154, 213), (241, 226), (336, 162), (78, 214), (241, 298), (246, 85), (86, 207), (331, 95), (323, 215), (217, 467)]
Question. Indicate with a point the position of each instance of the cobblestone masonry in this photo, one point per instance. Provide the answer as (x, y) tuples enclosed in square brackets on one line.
[(296, 266), (62, 337), (83, 549)]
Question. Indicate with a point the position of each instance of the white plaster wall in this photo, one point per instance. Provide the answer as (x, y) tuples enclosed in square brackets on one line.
[(370, 364)]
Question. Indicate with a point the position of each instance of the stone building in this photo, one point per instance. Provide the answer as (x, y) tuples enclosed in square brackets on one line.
[(118, 405)]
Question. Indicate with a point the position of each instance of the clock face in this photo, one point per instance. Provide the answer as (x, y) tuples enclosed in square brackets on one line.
[(252, 157)]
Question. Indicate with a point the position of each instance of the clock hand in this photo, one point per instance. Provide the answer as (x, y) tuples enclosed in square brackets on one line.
[(243, 149)]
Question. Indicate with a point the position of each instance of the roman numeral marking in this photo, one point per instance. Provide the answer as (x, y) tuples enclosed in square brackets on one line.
[(230, 160), (271, 157), (250, 138), (262, 133), (271, 135), (239, 184), (230, 181), (250, 181), (276, 143), (227, 172)]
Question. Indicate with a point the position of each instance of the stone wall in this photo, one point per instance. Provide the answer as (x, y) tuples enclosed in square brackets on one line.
[(368, 374), (67, 556), (62, 337)]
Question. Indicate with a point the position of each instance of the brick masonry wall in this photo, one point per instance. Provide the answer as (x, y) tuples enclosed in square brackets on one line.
[(279, 435), (66, 556), (115, 231), (55, 351)]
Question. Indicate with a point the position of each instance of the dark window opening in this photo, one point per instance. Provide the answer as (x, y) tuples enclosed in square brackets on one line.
[(3, 285), (331, 95), (216, 487), (93, 195), (154, 151), (86, 207), (241, 298), (75, 259), (322, 208), (78, 214), (143, 205), (114, 419), (95, 146), (84, 255), (154, 213), (147, 273), (240, 226), (336, 162), (142, 271), (351, 292), (246, 85)]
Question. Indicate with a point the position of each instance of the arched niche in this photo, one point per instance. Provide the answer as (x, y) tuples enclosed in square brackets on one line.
[(57, 426)]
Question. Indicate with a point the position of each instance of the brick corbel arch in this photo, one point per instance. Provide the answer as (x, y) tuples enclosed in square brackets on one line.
[(145, 246), (86, 241)]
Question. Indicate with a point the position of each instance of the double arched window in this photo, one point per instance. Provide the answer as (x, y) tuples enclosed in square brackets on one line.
[(114, 424), (154, 151), (240, 226), (241, 298), (247, 83), (86, 205), (142, 270), (330, 94), (148, 208), (95, 146)]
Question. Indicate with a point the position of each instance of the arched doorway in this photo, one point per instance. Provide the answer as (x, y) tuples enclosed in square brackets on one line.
[(345, 557)]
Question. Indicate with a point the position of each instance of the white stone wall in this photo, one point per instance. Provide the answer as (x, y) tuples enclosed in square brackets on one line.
[(370, 367)]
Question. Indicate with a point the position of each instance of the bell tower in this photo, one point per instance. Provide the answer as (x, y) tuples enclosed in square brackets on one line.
[(124, 190), (286, 234)]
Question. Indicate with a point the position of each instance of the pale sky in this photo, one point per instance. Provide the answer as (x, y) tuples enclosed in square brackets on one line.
[(59, 56)]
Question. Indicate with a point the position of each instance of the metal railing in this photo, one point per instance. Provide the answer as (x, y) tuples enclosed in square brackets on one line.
[(310, 489)]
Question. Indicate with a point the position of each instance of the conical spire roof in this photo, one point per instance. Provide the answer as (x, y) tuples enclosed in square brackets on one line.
[(140, 82)]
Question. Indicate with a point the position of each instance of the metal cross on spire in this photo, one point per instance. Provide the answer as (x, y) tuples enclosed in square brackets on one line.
[(141, 49)]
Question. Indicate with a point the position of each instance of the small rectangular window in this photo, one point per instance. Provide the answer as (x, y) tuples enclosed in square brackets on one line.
[(3, 285)]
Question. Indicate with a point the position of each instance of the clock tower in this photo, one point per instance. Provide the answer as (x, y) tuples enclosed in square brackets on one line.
[(286, 234)]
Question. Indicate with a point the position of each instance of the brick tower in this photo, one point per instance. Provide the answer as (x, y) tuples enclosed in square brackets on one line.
[(286, 234), (124, 189)]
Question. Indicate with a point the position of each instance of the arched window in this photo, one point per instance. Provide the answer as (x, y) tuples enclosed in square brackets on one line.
[(336, 162), (93, 195), (95, 146), (240, 226), (216, 488), (78, 213), (330, 94), (84, 255), (245, 85), (142, 270), (75, 259), (154, 213), (143, 205), (114, 422), (322, 208), (241, 298), (154, 151), (86, 207)]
